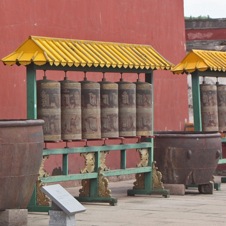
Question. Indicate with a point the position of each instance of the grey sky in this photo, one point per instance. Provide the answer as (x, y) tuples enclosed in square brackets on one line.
[(213, 8)]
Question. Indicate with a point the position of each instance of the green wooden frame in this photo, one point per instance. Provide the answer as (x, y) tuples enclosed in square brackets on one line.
[(197, 100), (65, 152)]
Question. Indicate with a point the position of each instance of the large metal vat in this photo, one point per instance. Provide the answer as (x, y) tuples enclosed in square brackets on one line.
[(188, 158), (21, 145)]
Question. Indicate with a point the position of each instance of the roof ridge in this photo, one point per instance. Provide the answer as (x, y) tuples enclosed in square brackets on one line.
[(33, 37)]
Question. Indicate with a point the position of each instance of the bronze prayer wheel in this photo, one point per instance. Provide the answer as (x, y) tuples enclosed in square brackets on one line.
[(71, 124), (91, 122), (209, 107), (144, 109), (109, 109), (48, 108), (221, 101), (127, 109)]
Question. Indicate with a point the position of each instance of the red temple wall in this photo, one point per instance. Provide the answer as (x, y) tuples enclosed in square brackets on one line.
[(159, 23)]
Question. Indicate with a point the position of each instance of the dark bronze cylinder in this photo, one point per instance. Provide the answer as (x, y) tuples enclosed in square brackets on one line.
[(144, 109), (91, 123), (71, 124), (109, 109), (48, 108), (209, 107), (188, 158), (127, 109), (221, 101), (21, 145)]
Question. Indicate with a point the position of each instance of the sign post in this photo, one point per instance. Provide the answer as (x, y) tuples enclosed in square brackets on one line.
[(64, 206)]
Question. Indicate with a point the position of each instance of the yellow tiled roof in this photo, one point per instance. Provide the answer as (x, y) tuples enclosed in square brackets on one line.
[(201, 60), (71, 52)]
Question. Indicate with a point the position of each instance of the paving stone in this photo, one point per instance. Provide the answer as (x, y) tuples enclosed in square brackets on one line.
[(192, 208), (13, 217), (175, 189)]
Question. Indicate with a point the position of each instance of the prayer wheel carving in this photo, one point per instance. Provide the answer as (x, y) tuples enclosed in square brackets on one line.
[(221, 101), (209, 107), (127, 109), (91, 122), (71, 126), (48, 108), (143, 109), (109, 109)]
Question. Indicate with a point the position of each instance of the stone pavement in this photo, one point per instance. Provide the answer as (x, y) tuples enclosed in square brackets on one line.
[(154, 210)]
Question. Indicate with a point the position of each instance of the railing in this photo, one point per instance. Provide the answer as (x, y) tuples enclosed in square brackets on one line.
[(93, 176), (147, 182)]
